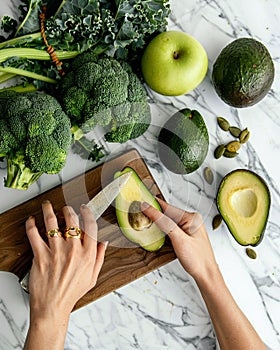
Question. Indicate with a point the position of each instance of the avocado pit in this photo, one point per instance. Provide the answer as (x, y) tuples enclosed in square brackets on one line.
[(136, 218), (244, 202)]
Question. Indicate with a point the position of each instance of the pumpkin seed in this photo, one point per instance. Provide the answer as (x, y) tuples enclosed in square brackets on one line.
[(208, 175), (223, 123), (229, 154), (244, 136), (219, 151), (251, 253), (235, 131), (216, 222), (233, 146)]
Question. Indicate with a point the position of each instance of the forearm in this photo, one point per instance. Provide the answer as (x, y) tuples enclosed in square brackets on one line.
[(46, 333), (233, 329)]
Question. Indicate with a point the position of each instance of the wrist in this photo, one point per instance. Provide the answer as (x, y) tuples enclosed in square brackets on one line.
[(49, 316), (211, 279), (46, 330)]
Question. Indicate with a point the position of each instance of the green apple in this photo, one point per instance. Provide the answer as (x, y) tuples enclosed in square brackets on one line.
[(174, 63)]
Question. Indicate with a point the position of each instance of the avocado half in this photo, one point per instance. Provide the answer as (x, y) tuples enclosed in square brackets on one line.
[(136, 226), (243, 201)]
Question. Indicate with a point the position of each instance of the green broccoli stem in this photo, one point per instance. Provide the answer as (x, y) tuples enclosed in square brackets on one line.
[(21, 88), (33, 54), (26, 73), (84, 147), (6, 76), (19, 176)]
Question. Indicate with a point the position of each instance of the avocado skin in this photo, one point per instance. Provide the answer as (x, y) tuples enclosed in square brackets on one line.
[(243, 73), (183, 142), (219, 205)]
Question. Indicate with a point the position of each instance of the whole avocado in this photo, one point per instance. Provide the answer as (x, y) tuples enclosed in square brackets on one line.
[(243, 72), (183, 142)]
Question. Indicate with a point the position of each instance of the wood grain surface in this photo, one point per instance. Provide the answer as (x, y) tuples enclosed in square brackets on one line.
[(124, 261)]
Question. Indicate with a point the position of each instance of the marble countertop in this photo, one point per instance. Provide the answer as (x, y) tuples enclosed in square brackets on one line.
[(163, 310)]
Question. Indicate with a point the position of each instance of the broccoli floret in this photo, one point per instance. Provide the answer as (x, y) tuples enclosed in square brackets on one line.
[(74, 100), (133, 128), (35, 136), (52, 155), (8, 143), (100, 91)]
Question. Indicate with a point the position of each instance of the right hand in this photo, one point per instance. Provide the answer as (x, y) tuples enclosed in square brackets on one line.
[(188, 236)]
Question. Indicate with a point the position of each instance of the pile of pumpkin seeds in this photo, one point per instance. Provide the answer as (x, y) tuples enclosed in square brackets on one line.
[(230, 150)]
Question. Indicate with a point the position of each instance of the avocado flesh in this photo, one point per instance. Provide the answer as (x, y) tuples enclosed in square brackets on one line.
[(150, 238), (243, 200)]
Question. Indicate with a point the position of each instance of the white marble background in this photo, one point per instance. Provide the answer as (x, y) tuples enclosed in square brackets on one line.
[(164, 310)]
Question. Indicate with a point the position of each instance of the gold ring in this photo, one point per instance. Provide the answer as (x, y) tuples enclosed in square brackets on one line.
[(73, 232), (54, 233)]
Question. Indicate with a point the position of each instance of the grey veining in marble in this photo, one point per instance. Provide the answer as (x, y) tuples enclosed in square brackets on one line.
[(164, 310)]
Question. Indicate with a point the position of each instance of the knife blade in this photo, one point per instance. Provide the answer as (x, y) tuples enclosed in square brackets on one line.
[(98, 204)]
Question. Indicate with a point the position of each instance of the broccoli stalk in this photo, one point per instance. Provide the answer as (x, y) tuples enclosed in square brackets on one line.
[(19, 176), (84, 147), (33, 54)]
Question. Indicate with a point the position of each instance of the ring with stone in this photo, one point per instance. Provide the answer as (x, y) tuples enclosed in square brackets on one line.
[(54, 233)]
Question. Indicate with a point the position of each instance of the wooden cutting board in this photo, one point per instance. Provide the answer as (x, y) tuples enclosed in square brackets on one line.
[(124, 262)]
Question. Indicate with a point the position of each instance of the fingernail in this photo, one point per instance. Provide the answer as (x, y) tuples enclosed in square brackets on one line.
[(46, 201), (106, 244), (145, 205), (30, 217), (84, 206)]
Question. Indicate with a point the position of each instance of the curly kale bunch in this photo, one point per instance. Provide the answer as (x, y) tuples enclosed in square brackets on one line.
[(100, 91), (120, 28), (35, 136)]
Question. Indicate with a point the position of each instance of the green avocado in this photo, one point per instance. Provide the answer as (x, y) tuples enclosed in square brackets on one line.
[(183, 142), (243, 72), (243, 200), (136, 226)]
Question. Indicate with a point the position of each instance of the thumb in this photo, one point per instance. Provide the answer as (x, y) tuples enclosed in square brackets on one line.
[(165, 223)]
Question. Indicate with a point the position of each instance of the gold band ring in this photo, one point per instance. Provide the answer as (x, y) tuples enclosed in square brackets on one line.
[(54, 233), (73, 232)]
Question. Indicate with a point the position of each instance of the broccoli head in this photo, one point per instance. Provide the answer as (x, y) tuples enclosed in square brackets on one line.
[(35, 136), (101, 91)]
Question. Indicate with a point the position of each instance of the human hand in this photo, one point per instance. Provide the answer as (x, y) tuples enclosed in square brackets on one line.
[(63, 269), (188, 236)]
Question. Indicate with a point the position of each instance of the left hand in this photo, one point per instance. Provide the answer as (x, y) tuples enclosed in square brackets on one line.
[(66, 268)]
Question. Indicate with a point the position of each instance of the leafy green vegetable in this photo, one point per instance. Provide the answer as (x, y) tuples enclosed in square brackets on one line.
[(8, 24), (120, 28), (30, 10)]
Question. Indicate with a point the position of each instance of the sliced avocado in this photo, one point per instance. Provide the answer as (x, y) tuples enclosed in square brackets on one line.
[(243, 200), (243, 72), (136, 226), (183, 142)]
